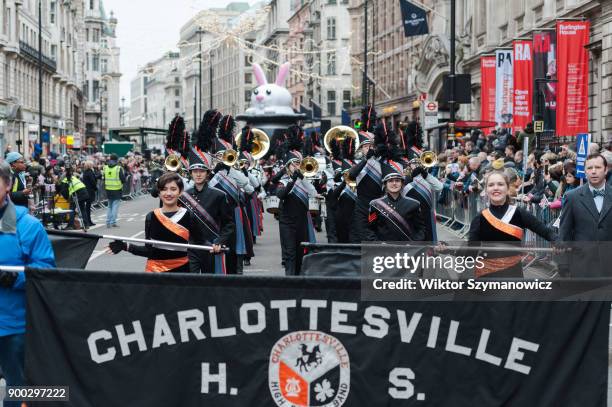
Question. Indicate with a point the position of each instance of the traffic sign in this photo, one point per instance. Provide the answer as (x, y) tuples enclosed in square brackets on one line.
[(538, 126), (582, 150), (430, 114)]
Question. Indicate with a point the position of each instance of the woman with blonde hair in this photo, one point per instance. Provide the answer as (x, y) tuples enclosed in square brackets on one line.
[(502, 223)]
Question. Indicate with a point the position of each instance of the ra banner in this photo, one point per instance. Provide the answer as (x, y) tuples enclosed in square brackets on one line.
[(145, 339), (503, 87), (573, 75), (545, 74), (523, 84), (487, 89), (414, 19)]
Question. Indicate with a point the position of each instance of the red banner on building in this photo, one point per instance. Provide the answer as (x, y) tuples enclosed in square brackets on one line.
[(487, 89), (523, 84), (573, 76)]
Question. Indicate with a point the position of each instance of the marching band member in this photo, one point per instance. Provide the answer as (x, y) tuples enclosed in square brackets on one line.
[(368, 177), (502, 222), (333, 189), (234, 183), (346, 205), (394, 217), (211, 214), (295, 222), (170, 223), (251, 201), (420, 189)]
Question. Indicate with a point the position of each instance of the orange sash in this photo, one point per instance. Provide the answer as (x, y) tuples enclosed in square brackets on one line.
[(161, 266), (175, 228), (502, 226)]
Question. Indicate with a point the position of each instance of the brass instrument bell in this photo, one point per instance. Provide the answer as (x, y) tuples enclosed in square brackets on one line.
[(309, 167), (261, 143), (173, 163), (340, 133)]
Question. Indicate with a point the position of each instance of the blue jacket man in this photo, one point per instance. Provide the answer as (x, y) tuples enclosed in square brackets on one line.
[(26, 244)]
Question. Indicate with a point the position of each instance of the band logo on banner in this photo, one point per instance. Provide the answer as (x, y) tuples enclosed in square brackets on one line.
[(523, 84), (573, 74), (545, 75), (487, 90), (503, 87)]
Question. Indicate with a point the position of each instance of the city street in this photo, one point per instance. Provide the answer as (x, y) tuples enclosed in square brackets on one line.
[(131, 221)]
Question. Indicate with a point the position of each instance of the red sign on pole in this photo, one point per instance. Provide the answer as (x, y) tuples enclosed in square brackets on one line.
[(523, 84), (573, 76), (487, 89)]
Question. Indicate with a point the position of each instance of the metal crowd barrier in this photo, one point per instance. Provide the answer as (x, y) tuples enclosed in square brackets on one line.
[(455, 211)]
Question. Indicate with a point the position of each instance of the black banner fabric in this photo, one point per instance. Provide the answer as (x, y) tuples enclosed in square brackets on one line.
[(186, 340), (72, 250), (414, 19)]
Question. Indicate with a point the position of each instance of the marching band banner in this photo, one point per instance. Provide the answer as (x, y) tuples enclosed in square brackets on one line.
[(523, 85), (487, 89), (573, 75), (545, 74), (142, 339), (503, 87)]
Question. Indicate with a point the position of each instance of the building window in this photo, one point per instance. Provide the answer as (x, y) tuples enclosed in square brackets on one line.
[(331, 1), (52, 12), (331, 102), (96, 91), (560, 5), (346, 99), (503, 32), (87, 61), (91, 4), (331, 63), (538, 13), (247, 95), (177, 92), (104, 65), (248, 77), (177, 104), (96, 35), (520, 23), (331, 28), (86, 89), (177, 80), (95, 62), (87, 34)]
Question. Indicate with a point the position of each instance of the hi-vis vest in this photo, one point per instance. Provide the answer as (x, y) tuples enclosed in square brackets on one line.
[(74, 185), (112, 182)]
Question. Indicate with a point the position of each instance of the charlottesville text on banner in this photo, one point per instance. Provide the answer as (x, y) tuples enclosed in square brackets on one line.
[(143, 339)]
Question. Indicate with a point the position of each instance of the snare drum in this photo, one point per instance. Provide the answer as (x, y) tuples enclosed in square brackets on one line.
[(271, 204), (314, 206)]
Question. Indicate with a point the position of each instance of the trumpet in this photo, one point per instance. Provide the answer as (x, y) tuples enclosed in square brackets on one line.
[(352, 184), (309, 167), (229, 157), (173, 163), (427, 159)]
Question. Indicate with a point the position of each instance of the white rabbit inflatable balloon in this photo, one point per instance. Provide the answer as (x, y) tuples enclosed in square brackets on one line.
[(271, 99)]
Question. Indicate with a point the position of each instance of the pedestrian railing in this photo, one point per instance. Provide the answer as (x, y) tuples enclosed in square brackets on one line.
[(455, 211)]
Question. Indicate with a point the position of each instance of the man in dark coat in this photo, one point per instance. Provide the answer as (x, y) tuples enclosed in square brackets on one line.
[(587, 218)]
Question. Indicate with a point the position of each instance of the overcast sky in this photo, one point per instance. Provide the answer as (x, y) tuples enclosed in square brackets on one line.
[(147, 29)]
